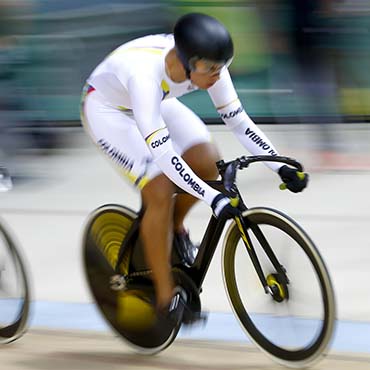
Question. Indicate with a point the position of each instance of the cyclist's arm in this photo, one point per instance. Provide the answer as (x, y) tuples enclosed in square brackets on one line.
[(229, 107), (146, 96)]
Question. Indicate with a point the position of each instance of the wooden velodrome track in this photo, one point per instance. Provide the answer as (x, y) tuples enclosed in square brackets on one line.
[(62, 350)]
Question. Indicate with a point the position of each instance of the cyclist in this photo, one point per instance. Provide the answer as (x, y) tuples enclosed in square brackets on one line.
[(131, 111)]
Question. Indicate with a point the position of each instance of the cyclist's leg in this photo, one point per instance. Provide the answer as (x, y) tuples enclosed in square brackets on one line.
[(156, 234), (118, 137), (193, 141)]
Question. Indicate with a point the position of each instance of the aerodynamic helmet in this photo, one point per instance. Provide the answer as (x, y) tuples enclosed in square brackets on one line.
[(199, 36)]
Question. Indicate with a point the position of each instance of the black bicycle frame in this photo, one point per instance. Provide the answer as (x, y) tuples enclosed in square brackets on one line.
[(216, 226), (212, 237), (207, 249)]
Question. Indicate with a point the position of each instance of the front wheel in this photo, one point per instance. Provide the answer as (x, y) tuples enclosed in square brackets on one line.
[(293, 321)]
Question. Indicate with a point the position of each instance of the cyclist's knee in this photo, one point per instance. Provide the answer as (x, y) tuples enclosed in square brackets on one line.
[(202, 159), (158, 192)]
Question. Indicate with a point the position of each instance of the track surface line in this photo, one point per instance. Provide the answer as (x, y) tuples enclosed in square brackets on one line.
[(61, 350)]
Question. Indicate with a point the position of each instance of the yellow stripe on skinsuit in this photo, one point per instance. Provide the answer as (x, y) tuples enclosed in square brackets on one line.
[(224, 106), (165, 89), (133, 179), (125, 110), (142, 182), (153, 50), (149, 138)]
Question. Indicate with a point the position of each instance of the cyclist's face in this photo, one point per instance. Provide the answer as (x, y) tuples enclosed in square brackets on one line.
[(206, 73)]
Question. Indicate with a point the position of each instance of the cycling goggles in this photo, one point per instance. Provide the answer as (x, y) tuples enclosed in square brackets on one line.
[(204, 66)]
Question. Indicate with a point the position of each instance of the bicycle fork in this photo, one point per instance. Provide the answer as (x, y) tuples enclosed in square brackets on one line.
[(269, 288)]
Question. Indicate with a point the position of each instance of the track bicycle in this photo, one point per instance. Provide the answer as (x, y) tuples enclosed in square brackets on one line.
[(14, 289), (275, 278)]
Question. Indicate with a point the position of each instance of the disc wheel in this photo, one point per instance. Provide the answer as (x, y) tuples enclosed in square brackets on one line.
[(105, 231)]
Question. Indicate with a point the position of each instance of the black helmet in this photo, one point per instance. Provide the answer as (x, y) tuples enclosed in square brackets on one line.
[(199, 36)]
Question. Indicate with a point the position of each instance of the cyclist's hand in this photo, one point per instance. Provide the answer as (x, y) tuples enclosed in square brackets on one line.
[(225, 207), (293, 180)]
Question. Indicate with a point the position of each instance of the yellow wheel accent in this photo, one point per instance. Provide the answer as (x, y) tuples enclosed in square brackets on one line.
[(271, 281), (134, 311), (108, 231)]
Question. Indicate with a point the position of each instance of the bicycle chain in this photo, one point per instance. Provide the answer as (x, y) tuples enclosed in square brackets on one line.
[(120, 282)]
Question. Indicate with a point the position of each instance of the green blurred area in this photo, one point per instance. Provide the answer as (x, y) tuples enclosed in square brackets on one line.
[(59, 43)]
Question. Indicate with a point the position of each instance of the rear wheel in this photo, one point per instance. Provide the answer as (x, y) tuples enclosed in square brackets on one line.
[(128, 306), (14, 290), (294, 322)]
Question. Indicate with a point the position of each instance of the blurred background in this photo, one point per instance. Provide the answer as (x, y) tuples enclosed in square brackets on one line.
[(301, 70), (296, 62)]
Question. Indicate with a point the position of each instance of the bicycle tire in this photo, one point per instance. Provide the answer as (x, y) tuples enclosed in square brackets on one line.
[(14, 289), (112, 223), (287, 355)]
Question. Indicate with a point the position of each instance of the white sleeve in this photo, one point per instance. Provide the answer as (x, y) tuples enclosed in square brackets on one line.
[(146, 97), (231, 111)]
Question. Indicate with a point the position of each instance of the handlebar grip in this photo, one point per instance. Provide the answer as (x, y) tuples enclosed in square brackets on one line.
[(301, 175), (283, 186)]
